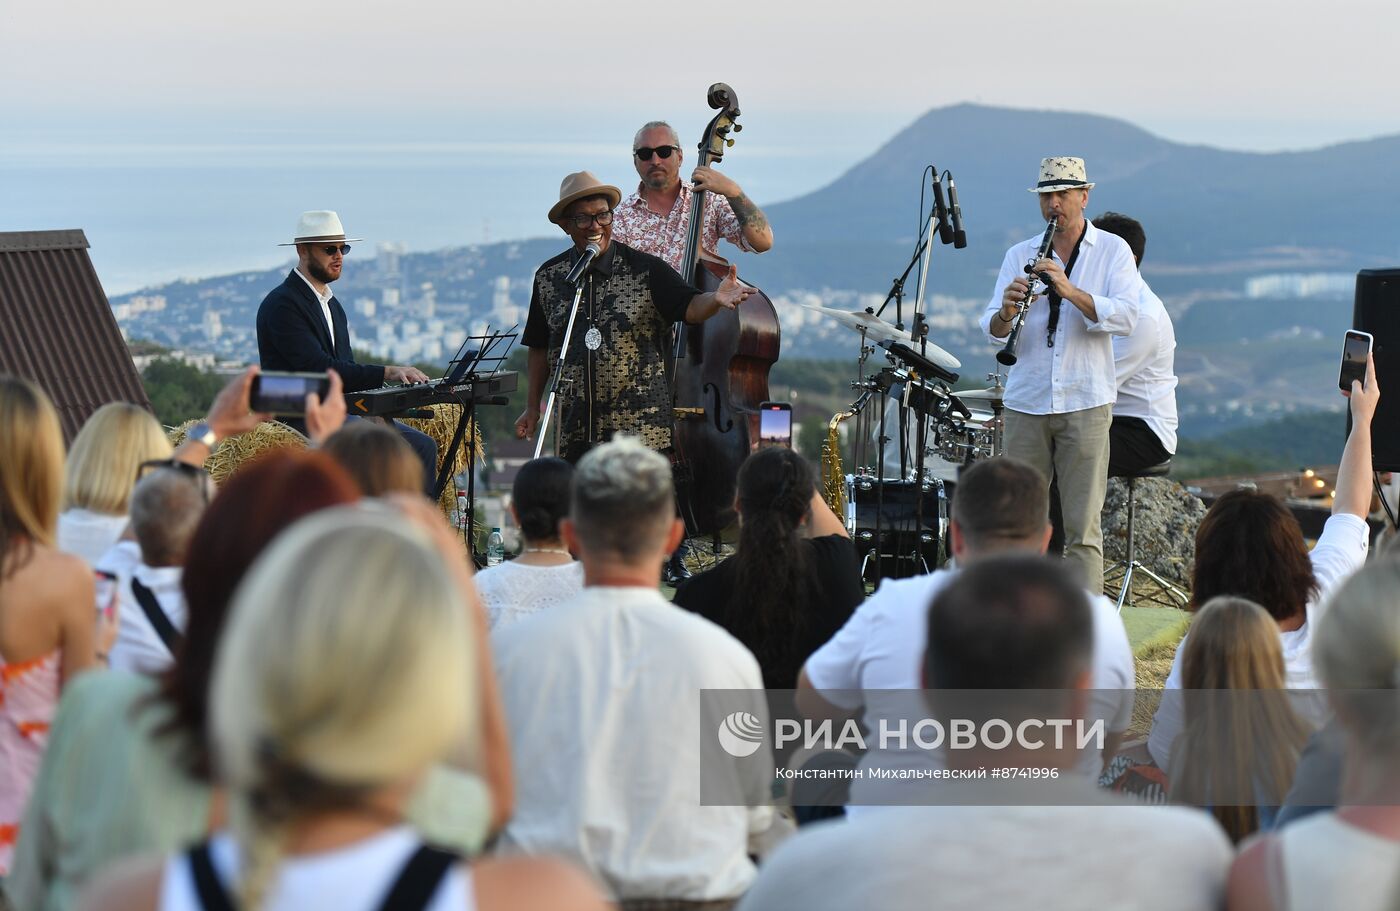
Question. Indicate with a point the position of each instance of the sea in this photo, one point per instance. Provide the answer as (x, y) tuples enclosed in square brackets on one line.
[(177, 206)]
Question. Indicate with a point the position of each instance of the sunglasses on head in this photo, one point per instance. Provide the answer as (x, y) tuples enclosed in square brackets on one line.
[(342, 249), (645, 152), (194, 473)]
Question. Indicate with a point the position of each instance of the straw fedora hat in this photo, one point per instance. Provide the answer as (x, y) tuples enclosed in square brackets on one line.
[(578, 185), (1058, 174), (322, 226)]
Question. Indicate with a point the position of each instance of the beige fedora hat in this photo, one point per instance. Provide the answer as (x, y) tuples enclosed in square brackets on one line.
[(321, 226), (1058, 174), (578, 185)]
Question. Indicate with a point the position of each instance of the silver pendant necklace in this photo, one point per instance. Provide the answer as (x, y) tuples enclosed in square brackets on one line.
[(593, 339)]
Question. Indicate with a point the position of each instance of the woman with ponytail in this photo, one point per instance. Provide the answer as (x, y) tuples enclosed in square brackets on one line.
[(348, 670), (794, 579)]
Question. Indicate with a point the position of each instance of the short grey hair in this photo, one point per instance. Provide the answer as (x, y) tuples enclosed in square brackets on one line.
[(165, 508), (657, 125), (623, 499)]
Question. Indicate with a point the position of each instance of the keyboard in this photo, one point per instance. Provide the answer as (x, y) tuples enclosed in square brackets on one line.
[(396, 400)]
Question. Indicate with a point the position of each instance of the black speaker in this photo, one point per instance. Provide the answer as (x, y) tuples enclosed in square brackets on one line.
[(1377, 311)]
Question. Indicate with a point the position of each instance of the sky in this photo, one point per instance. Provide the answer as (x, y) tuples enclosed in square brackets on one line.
[(97, 91)]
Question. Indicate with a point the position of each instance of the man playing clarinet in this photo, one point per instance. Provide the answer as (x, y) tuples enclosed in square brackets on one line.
[(1060, 393)]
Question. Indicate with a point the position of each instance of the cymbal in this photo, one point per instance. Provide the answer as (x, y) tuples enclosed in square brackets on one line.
[(877, 330), (990, 394)]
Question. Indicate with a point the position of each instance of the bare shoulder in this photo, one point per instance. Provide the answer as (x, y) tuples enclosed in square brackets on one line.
[(534, 884), (1248, 886), (128, 885)]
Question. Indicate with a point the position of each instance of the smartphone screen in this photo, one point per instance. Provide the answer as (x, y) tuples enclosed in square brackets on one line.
[(106, 593), (775, 424), (285, 393), (1354, 350)]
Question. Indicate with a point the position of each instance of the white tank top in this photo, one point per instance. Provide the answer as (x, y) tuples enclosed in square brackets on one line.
[(353, 878), (1329, 863)]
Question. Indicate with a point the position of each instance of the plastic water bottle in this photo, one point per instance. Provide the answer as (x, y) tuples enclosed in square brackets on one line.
[(460, 518), (495, 548)]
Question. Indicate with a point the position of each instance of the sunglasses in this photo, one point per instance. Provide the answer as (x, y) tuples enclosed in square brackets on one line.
[(343, 250), (198, 476), (645, 152), (582, 221)]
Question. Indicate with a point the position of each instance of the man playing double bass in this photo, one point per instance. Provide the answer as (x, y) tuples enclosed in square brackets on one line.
[(614, 377), (656, 218)]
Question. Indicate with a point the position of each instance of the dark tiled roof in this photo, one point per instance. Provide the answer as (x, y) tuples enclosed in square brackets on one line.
[(57, 329)]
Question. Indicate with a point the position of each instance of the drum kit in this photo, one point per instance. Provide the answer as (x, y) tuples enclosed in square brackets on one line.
[(911, 435)]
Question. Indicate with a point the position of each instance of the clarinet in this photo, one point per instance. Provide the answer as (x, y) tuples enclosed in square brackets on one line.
[(1007, 355)]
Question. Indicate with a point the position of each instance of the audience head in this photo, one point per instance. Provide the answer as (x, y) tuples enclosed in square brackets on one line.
[(251, 509), (377, 457), (1250, 545), (346, 672), (1010, 622), (106, 454), (1356, 648), (540, 498), (623, 506), (165, 508), (1130, 229), (775, 490), (31, 467), (1242, 736), (1000, 504)]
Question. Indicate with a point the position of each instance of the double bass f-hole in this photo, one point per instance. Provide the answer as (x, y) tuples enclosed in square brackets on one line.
[(717, 408)]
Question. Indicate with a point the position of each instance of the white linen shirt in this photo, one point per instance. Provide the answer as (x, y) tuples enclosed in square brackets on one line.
[(602, 699), (325, 301), (1078, 372), (138, 647), (1145, 361), (1339, 552), (881, 647)]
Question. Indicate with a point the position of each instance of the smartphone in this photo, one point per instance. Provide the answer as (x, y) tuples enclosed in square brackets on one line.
[(775, 424), (106, 593), (285, 393), (1354, 350)]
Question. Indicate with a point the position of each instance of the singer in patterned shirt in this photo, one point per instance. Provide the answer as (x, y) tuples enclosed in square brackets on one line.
[(656, 218)]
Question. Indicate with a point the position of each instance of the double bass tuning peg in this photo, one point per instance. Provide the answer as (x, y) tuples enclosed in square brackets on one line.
[(729, 143), (738, 127)]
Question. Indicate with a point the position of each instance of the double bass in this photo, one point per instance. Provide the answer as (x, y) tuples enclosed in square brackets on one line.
[(720, 366)]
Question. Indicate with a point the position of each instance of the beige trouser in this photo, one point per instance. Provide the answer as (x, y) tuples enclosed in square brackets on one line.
[(1073, 447)]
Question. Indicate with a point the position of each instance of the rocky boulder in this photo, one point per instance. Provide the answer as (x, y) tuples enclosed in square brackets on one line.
[(1165, 519)]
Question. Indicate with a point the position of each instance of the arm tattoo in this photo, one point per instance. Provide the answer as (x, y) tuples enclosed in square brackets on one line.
[(750, 216)]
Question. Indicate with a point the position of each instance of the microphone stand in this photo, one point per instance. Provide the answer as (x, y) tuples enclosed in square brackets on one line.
[(558, 370)]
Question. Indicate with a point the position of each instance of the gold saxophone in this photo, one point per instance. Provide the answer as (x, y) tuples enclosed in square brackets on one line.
[(833, 476)]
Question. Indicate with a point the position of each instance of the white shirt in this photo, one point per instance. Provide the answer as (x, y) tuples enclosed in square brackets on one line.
[(1146, 370), (881, 647), (353, 878), (1339, 552), (325, 301), (88, 534), (1000, 858), (602, 698), (139, 648), (1326, 858), (510, 591), (1078, 372)]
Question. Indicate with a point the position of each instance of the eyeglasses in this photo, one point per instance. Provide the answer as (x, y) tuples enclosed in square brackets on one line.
[(603, 219), (343, 250), (198, 476), (644, 153)]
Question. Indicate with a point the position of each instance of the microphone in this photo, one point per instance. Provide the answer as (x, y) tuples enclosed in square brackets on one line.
[(583, 263), (945, 233), (959, 235)]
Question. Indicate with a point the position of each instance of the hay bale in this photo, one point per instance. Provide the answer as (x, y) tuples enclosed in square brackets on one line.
[(235, 452)]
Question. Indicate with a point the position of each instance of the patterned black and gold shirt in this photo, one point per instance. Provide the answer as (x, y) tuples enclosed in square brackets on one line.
[(615, 373)]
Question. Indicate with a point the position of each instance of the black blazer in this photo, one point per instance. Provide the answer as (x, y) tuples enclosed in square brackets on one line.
[(292, 336)]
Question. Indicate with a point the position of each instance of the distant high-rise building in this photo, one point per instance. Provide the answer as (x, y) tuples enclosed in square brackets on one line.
[(386, 260), (365, 307), (389, 298), (213, 325), (427, 300)]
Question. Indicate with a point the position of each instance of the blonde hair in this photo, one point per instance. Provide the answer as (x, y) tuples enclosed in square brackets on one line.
[(378, 458), (347, 665), (31, 468), (102, 464), (1242, 737), (1356, 650)]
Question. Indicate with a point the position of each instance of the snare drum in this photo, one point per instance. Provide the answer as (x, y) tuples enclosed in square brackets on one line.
[(913, 520)]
